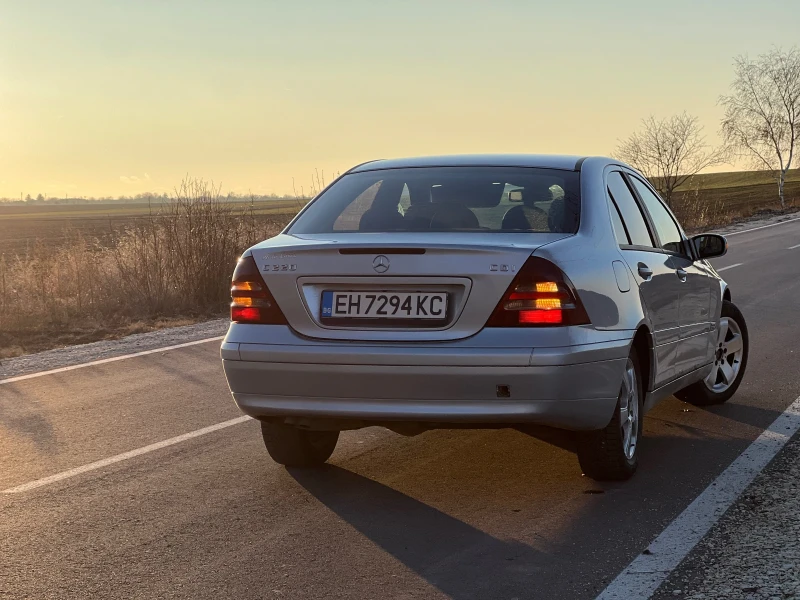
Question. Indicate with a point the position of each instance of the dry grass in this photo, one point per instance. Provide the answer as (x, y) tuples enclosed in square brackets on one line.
[(172, 265), (701, 208), (22, 226), (739, 179)]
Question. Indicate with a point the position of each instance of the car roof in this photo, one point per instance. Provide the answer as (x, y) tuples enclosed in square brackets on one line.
[(545, 161)]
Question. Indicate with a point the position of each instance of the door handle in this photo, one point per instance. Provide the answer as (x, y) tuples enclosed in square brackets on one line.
[(645, 272), (681, 274)]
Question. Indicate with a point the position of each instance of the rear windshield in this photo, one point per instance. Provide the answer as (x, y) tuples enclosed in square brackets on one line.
[(501, 199)]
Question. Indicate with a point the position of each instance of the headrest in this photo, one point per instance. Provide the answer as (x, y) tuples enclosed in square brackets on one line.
[(533, 195), (537, 189), (469, 194)]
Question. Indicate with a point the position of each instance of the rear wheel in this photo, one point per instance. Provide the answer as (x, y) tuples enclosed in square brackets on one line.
[(612, 453), (730, 360), (295, 447)]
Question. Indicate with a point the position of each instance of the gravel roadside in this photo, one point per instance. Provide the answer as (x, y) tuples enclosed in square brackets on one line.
[(74, 355), (757, 222), (753, 552)]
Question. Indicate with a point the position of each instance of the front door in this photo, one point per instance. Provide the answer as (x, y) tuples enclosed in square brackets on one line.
[(696, 328)]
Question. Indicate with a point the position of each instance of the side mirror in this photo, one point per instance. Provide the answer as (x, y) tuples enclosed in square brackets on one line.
[(710, 245)]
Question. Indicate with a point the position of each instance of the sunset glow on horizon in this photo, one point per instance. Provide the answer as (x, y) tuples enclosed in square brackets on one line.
[(114, 98)]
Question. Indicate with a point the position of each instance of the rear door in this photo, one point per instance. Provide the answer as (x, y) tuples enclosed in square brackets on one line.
[(697, 289), (653, 270)]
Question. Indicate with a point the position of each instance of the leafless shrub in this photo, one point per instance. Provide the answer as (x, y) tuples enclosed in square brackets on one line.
[(176, 261), (669, 152), (177, 258)]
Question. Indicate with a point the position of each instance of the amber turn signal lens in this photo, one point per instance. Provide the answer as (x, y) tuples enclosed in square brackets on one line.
[(548, 303), (545, 287), (244, 301), (246, 286)]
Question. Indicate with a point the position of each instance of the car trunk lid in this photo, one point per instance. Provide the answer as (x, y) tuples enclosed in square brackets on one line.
[(306, 273)]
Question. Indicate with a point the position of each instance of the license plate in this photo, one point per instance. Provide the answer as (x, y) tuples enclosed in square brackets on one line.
[(384, 305)]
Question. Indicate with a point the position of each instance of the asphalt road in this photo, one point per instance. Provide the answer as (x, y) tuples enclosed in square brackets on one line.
[(458, 514)]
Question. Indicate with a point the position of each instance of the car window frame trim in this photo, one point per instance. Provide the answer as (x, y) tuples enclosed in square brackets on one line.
[(652, 249), (645, 215), (612, 205)]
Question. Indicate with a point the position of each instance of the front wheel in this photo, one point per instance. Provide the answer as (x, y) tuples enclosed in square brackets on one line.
[(730, 360), (294, 447), (612, 454)]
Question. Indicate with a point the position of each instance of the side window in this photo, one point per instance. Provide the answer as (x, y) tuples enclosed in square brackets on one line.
[(629, 210), (668, 232)]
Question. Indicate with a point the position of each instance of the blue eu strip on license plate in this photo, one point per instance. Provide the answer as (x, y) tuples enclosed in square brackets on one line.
[(327, 304)]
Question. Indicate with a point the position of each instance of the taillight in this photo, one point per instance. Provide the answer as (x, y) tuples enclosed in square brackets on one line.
[(251, 300), (540, 296)]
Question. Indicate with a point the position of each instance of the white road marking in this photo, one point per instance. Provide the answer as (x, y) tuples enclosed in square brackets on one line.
[(107, 360), (647, 572), (718, 271), (793, 247), (25, 487), (762, 227)]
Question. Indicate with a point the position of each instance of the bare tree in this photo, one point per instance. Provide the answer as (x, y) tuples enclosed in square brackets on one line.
[(669, 152), (762, 114)]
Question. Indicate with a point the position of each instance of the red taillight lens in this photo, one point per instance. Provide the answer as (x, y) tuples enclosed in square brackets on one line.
[(540, 296), (251, 300), (541, 317), (245, 314)]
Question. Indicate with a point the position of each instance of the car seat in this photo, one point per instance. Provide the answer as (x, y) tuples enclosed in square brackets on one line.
[(528, 216), (381, 218)]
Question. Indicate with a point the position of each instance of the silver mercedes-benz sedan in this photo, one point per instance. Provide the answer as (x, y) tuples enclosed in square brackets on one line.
[(480, 291)]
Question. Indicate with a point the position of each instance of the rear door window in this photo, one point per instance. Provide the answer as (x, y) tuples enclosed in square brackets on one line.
[(619, 228), (629, 211)]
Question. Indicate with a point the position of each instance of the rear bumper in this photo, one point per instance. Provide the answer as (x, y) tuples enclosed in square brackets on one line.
[(573, 387)]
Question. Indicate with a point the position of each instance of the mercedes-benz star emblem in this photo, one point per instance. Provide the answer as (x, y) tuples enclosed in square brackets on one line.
[(380, 263)]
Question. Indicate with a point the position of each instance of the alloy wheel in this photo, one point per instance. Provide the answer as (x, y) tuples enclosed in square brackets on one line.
[(629, 411), (727, 356)]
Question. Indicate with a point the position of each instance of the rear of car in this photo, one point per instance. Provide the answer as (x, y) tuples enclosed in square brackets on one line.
[(414, 297), (480, 291)]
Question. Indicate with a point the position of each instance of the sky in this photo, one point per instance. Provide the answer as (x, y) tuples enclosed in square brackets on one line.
[(120, 97)]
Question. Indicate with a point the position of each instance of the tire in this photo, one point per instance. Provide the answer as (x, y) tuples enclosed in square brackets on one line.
[(293, 447), (608, 454), (706, 393)]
